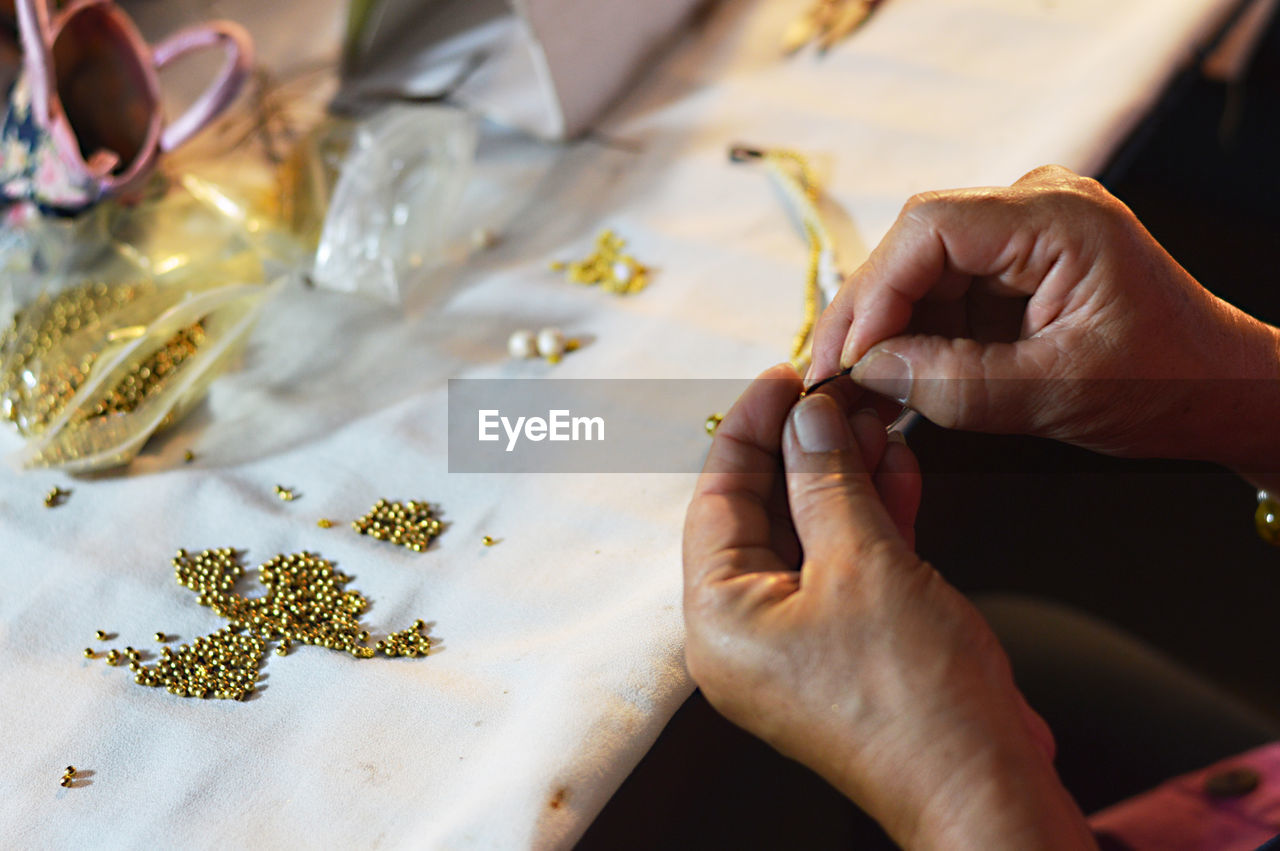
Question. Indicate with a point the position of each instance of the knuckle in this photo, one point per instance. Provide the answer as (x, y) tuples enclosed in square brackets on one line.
[(1058, 185), (1048, 173), (879, 552), (920, 201)]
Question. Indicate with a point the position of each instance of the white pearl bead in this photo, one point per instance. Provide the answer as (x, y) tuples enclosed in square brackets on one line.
[(550, 342), (522, 344)]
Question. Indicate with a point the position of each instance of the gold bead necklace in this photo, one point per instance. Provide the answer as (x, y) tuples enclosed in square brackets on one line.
[(800, 186)]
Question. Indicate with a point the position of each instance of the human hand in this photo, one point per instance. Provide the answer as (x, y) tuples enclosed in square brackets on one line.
[(813, 624), (1046, 308)]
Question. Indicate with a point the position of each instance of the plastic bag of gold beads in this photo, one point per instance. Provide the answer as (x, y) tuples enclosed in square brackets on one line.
[(122, 319)]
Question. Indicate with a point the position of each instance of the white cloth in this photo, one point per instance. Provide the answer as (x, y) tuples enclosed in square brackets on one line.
[(561, 653)]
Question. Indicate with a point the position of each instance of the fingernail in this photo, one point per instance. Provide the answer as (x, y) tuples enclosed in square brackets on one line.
[(819, 425), (847, 354), (808, 376), (896, 436), (885, 373)]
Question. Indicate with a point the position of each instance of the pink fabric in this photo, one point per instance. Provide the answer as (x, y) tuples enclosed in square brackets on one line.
[(100, 175), (1179, 815)]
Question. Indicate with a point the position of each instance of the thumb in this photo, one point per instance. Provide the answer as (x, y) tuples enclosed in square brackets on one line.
[(836, 510), (959, 382)]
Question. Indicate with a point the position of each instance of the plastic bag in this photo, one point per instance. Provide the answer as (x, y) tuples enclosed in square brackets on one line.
[(122, 320), (397, 179)]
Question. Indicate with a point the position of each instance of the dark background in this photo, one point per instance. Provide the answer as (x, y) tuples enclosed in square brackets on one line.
[(1164, 550)]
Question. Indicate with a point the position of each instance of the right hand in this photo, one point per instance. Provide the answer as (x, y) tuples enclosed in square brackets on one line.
[(1046, 308)]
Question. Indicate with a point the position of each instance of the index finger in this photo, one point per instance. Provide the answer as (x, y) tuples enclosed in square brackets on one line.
[(877, 300), (1008, 239)]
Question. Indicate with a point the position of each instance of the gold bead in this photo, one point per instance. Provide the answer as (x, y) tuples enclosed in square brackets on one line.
[(71, 770), (101, 634), (1267, 518), (488, 541), (324, 523), (65, 782), (88, 653), (188, 456), (713, 423), (161, 637)]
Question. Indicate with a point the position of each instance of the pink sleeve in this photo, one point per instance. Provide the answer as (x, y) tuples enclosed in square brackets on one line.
[(1234, 804)]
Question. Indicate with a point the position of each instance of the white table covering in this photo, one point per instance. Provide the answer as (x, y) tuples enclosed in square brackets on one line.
[(561, 647)]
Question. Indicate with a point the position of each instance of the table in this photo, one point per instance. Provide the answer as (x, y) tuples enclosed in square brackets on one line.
[(560, 657)]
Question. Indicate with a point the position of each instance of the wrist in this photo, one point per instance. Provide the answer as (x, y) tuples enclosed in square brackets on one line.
[(1240, 428), (1001, 800)]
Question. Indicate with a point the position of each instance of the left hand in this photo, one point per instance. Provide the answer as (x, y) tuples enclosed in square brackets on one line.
[(813, 624)]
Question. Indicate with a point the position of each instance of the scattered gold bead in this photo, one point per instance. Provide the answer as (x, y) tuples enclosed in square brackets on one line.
[(188, 457), (286, 494), (113, 657), (488, 541), (70, 772), (101, 635), (324, 523), (713, 423), (56, 497), (65, 782), (161, 637)]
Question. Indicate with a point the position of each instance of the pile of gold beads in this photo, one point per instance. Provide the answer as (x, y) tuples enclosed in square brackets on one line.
[(1267, 518), (407, 642), (305, 603), (410, 524), (68, 777), (222, 665), (609, 266)]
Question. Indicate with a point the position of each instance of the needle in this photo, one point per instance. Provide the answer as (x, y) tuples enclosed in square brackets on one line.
[(830, 378), (906, 417)]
